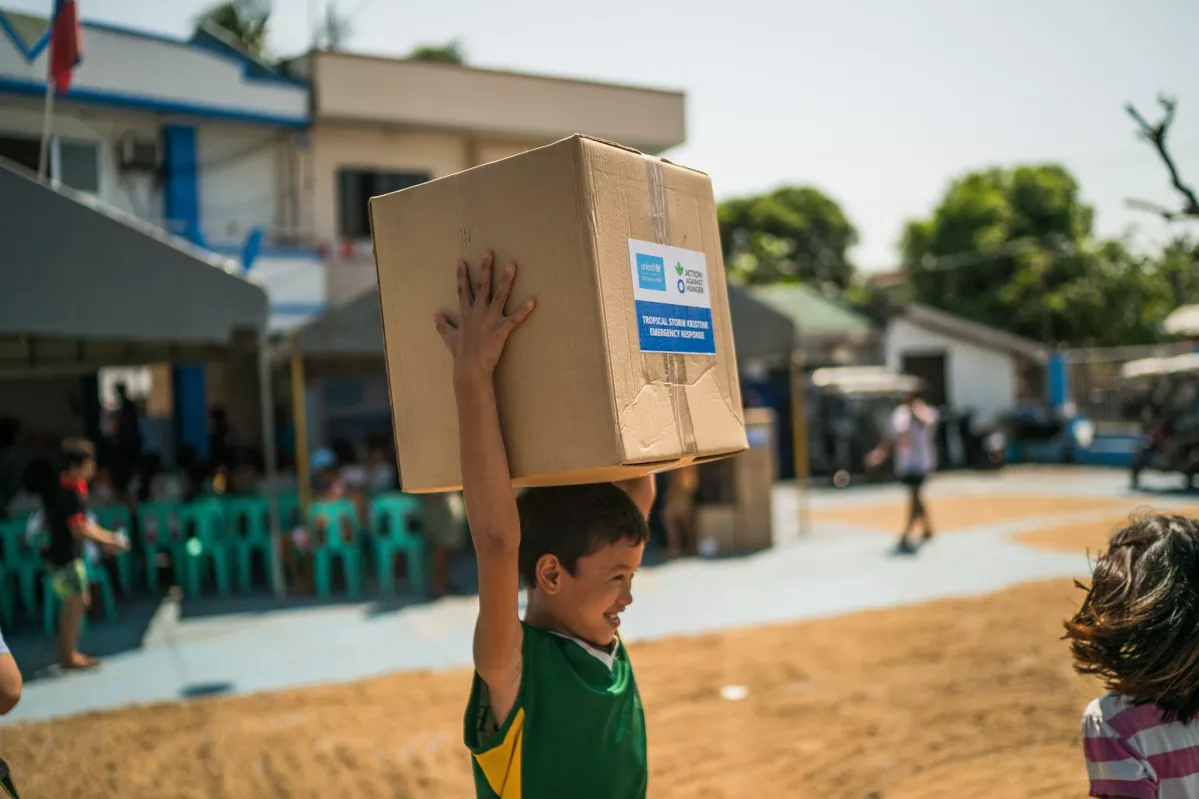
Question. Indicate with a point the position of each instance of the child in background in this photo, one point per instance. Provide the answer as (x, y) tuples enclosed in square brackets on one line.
[(70, 528), (297, 548), (1138, 630), (554, 709)]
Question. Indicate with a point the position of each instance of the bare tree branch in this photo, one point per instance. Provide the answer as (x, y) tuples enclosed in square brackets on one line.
[(1154, 208), (1156, 135)]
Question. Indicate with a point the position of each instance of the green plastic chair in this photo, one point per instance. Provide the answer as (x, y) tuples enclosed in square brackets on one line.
[(206, 519), (23, 561), (393, 518), (340, 539), (288, 503), (159, 531), (97, 575), (114, 518), (248, 530)]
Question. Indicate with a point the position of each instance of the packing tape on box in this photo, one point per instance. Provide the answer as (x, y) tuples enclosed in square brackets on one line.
[(674, 366)]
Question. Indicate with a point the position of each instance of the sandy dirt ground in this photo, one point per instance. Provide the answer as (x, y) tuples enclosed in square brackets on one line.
[(959, 698), (955, 513), (1089, 537)]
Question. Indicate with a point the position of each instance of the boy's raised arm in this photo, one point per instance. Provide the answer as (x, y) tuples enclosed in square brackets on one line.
[(477, 342)]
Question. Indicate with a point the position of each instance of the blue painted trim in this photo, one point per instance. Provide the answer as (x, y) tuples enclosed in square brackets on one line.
[(1058, 379), (38, 89), (27, 52), (297, 308), (190, 407), (181, 180), (252, 69), (266, 251)]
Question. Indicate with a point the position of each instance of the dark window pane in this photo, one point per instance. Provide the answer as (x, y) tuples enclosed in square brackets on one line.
[(78, 166), (356, 187)]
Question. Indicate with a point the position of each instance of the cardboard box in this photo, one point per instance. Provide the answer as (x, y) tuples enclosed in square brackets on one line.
[(755, 474), (716, 530), (626, 366)]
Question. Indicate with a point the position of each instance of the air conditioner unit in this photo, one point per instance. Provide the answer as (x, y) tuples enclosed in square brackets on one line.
[(139, 155)]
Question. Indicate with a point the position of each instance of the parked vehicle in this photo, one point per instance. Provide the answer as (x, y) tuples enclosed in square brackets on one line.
[(1162, 394), (848, 409)]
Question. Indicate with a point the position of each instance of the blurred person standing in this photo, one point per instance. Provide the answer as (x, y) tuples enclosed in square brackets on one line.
[(678, 514), (11, 462), (909, 434), (128, 435), (67, 520), (443, 522)]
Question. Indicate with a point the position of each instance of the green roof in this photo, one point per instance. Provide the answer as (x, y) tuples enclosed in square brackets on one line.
[(812, 312)]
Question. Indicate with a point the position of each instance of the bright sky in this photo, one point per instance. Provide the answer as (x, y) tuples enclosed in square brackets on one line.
[(879, 103)]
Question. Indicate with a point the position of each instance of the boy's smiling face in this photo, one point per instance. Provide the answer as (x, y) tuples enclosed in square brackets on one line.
[(588, 603)]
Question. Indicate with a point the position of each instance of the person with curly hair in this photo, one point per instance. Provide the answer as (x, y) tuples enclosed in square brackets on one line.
[(1138, 631)]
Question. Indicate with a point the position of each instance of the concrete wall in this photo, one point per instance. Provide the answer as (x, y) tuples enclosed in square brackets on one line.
[(138, 194), (336, 146), (450, 97), (976, 378), (140, 68)]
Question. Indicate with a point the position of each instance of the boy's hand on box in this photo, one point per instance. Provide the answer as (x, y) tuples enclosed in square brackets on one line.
[(478, 339)]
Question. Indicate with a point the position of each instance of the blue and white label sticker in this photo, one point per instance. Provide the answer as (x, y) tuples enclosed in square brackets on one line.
[(672, 298)]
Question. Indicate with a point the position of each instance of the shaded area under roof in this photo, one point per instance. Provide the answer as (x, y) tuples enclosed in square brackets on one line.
[(355, 331), (76, 271)]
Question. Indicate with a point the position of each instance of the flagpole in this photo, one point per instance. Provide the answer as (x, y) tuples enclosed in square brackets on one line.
[(43, 162)]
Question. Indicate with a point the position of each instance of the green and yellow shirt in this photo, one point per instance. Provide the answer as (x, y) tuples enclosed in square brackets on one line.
[(577, 728)]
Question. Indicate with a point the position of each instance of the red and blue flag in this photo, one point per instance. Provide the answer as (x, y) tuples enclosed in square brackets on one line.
[(66, 43)]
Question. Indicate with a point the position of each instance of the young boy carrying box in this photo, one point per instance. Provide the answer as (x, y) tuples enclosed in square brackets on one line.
[(554, 709)]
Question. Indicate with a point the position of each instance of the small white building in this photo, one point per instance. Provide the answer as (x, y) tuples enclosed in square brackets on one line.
[(964, 365)]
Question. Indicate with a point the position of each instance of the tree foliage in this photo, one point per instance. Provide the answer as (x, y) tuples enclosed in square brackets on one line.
[(792, 233), (246, 20), (451, 52), (1013, 249)]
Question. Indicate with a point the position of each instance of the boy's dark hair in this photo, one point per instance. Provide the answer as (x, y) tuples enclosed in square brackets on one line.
[(77, 451), (572, 522), (1138, 628)]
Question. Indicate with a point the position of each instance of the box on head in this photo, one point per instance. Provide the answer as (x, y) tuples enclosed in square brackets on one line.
[(627, 366)]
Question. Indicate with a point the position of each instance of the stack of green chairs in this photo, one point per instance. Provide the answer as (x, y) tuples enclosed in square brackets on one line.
[(288, 503), (248, 530), (22, 561), (159, 530), (340, 539), (392, 520), (205, 518), (115, 518), (6, 553)]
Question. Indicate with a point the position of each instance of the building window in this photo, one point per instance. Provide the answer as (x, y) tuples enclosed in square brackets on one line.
[(73, 163), (357, 186), (78, 165)]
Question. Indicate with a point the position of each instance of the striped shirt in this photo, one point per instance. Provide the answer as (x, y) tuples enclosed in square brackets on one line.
[(1131, 752)]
